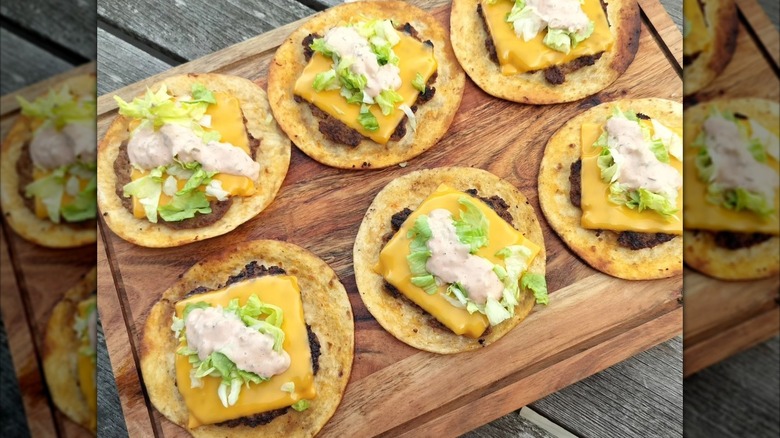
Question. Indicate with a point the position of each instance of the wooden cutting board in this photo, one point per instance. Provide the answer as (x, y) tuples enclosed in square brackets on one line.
[(593, 320), (723, 318), (34, 280)]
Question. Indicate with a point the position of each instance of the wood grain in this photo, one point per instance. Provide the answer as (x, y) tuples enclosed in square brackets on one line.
[(24, 63), (114, 54), (317, 201), (220, 25), (71, 27)]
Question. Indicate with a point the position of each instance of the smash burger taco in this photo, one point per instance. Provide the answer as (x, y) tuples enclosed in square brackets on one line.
[(544, 51), (48, 167), (732, 205), (69, 355), (710, 30), (450, 259), (194, 157), (366, 85), (255, 342), (610, 185)]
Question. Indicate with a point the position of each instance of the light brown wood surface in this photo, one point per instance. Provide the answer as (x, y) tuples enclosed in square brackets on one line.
[(42, 276), (723, 318), (592, 322)]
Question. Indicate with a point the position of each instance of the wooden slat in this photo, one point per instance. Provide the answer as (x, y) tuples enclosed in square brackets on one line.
[(378, 356), (36, 407), (763, 27), (70, 24), (666, 26), (24, 63), (114, 70), (218, 25)]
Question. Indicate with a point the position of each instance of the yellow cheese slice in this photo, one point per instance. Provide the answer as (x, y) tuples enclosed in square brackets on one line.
[(227, 119), (698, 38), (703, 215), (86, 366), (414, 57), (394, 268), (203, 403), (515, 55), (40, 207), (598, 213)]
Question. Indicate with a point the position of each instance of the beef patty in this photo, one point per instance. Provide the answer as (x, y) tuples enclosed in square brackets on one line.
[(338, 132), (627, 239), (253, 270)]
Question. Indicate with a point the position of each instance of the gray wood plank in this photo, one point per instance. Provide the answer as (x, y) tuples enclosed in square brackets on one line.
[(13, 422), (737, 397), (772, 9), (70, 24), (639, 397), (121, 63), (111, 420), (513, 425), (22, 63), (189, 29)]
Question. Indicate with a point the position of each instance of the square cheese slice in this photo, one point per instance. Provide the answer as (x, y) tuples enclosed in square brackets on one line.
[(703, 215), (395, 269), (203, 403), (414, 57), (516, 55), (599, 213)]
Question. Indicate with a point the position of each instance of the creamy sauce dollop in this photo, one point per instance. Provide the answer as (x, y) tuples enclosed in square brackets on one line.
[(555, 14), (451, 261), (348, 43), (638, 166), (51, 148), (734, 164), (148, 149), (212, 329)]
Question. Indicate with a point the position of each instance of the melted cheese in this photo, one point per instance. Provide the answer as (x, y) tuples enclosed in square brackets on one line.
[(415, 57), (700, 214), (203, 403), (227, 119), (394, 268), (599, 213), (86, 368), (40, 207), (698, 38), (518, 56)]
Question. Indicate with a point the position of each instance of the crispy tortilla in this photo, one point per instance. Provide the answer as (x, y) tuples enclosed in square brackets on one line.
[(723, 27), (60, 354), (701, 253), (468, 41), (21, 219), (273, 155), (433, 117), (326, 309), (400, 317), (600, 249)]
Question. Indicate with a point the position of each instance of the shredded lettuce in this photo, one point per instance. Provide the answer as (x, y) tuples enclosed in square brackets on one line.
[(536, 283), (558, 39), (527, 23), (367, 120), (387, 100), (472, 226), (147, 189), (84, 205), (219, 365), (66, 179), (326, 81), (495, 312), (184, 206), (202, 94), (49, 189), (300, 405), (659, 149), (58, 107), (419, 255), (419, 83), (739, 199), (349, 79), (319, 46), (643, 199)]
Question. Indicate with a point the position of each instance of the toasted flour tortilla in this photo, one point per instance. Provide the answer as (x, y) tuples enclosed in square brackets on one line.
[(701, 253), (601, 250), (273, 155), (433, 117), (21, 219), (400, 317), (468, 41), (60, 354), (723, 27), (326, 309)]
